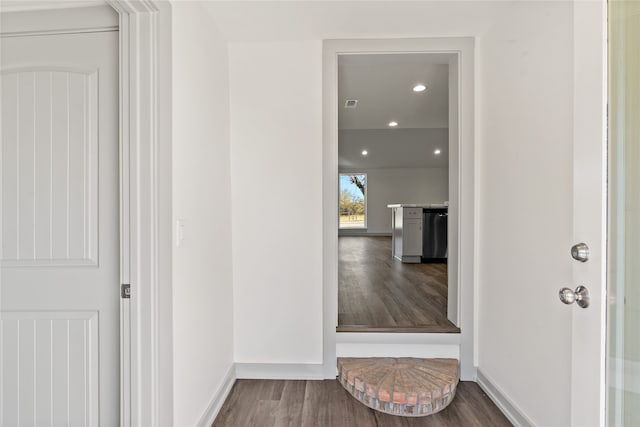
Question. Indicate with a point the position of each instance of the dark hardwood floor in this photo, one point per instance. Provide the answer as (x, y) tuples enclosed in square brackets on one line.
[(377, 293), (266, 403)]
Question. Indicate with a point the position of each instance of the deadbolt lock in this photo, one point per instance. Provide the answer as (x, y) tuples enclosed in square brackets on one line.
[(580, 252)]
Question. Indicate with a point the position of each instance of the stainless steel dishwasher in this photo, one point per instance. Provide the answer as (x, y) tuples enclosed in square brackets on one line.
[(434, 235)]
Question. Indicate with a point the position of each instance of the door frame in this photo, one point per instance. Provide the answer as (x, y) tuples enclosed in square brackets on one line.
[(146, 395), (463, 173)]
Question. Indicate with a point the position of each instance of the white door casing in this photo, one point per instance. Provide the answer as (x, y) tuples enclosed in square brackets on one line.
[(145, 164), (460, 52), (60, 244), (589, 212)]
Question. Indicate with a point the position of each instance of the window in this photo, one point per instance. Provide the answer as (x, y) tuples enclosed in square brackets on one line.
[(353, 200)]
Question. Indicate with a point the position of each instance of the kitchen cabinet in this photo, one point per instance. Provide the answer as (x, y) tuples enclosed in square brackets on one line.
[(407, 233)]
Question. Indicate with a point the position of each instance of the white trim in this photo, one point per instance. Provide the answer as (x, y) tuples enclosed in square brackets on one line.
[(281, 371), (70, 68), (423, 345), (218, 398), (361, 232), (55, 32), (29, 6), (464, 49), (66, 263), (146, 371), (397, 338), (97, 17), (422, 351), (506, 405), (453, 235), (330, 218)]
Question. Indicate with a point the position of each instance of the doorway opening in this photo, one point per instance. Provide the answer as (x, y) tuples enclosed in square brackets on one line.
[(395, 111), (458, 54)]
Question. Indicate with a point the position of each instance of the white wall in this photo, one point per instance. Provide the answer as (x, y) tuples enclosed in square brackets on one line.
[(276, 169), (202, 274), (523, 179), (406, 185)]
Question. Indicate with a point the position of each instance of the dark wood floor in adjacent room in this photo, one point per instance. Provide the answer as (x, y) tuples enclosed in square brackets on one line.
[(266, 403), (379, 293)]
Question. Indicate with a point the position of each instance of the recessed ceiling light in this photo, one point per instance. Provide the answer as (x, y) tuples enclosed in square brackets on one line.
[(419, 88), (437, 151), (393, 124), (365, 152)]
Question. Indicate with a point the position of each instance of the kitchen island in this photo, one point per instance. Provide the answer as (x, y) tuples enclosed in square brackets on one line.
[(410, 240)]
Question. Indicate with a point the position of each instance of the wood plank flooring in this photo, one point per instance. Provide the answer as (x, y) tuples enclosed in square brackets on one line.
[(271, 403), (377, 293)]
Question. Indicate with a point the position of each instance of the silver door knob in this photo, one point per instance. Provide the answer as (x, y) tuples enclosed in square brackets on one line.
[(580, 296), (580, 252)]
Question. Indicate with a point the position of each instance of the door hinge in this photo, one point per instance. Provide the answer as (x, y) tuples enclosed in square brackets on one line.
[(125, 290)]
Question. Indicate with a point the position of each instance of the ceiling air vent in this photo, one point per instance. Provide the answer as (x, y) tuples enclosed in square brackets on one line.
[(351, 103)]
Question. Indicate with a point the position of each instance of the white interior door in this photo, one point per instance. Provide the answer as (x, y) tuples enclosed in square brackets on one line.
[(589, 213), (60, 232)]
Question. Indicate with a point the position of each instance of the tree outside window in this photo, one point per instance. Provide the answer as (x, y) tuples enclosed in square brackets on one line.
[(353, 200)]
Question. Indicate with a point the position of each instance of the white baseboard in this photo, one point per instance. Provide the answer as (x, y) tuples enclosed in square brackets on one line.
[(508, 408), (366, 344), (399, 350), (397, 338), (280, 371), (218, 398), (350, 233)]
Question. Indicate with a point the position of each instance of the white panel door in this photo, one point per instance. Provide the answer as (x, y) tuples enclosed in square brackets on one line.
[(59, 282)]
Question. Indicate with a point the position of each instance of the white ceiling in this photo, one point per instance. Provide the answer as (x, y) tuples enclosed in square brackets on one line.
[(383, 84), (393, 148)]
